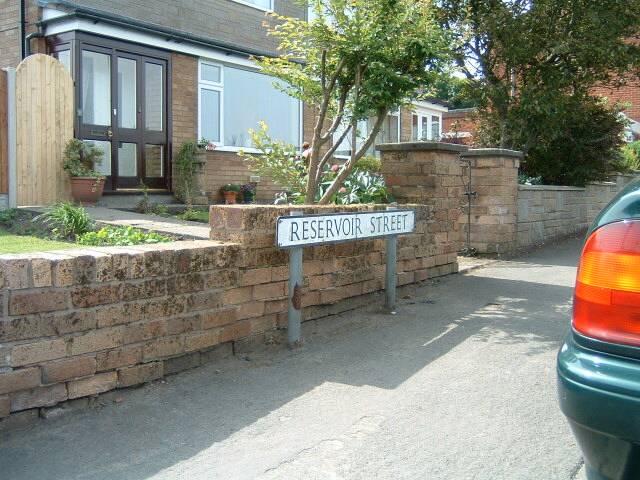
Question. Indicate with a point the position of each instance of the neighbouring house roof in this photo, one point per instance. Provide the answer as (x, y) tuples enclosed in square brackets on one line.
[(73, 10)]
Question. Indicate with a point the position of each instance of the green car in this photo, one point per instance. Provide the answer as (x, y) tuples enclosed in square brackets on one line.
[(599, 363)]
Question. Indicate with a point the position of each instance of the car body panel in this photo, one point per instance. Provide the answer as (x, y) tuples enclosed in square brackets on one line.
[(599, 382)]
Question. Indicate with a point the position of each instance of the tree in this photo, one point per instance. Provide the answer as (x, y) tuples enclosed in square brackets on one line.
[(455, 91), (518, 55), (357, 59)]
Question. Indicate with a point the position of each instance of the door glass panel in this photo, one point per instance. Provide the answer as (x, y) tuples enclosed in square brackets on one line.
[(104, 167), (126, 93), (153, 96), (210, 115), (127, 159), (96, 88), (64, 56), (154, 161), (425, 128), (435, 127)]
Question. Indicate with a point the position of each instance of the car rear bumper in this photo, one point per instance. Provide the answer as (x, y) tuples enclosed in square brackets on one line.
[(600, 395)]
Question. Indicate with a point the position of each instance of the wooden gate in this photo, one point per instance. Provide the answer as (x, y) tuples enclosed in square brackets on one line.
[(44, 124)]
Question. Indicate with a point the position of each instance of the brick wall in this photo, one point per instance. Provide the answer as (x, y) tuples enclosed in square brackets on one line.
[(459, 125), (77, 323), (548, 212), (9, 33), (428, 173), (494, 178), (628, 94)]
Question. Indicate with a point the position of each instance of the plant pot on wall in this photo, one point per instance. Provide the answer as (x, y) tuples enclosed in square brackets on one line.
[(229, 197), (230, 192), (87, 190)]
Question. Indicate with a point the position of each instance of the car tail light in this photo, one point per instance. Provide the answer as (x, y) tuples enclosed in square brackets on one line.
[(607, 295)]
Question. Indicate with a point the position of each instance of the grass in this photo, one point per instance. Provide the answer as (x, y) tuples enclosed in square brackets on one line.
[(10, 243)]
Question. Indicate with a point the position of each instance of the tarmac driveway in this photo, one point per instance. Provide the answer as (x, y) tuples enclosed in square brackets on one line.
[(460, 384)]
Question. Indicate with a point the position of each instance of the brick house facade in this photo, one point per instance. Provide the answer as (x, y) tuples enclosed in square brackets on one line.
[(152, 75)]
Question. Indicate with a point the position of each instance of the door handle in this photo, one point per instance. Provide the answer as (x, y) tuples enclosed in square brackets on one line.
[(109, 133)]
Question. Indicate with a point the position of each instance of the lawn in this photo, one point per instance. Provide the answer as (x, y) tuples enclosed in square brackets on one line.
[(10, 243)]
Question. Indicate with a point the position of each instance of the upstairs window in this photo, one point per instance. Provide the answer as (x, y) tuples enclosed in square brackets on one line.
[(260, 4)]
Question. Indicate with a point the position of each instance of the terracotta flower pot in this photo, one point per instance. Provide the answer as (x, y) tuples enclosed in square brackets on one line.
[(230, 197), (86, 190)]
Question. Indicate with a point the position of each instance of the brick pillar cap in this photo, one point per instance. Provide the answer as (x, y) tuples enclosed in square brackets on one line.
[(421, 146), (493, 152)]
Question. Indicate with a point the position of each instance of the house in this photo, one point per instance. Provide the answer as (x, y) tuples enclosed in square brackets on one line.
[(150, 75)]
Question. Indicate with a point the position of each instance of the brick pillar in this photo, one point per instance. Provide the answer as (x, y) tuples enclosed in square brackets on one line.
[(429, 173), (494, 178)]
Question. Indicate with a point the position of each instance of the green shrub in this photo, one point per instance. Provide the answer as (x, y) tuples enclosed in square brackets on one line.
[(629, 157), (277, 160), (231, 187), (186, 165), (8, 216), (160, 210), (120, 236), (66, 220), (369, 164), (81, 158), (195, 215)]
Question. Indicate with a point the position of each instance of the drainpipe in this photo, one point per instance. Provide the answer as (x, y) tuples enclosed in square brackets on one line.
[(27, 41), (22, 29)]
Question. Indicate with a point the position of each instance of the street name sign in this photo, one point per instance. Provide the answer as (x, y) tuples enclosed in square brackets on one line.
[(296, 231), (307, 230)]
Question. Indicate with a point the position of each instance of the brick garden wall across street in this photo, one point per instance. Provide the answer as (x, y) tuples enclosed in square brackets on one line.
[(77, 323)]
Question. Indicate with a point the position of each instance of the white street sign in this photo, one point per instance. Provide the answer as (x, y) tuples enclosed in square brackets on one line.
[(305, 230)]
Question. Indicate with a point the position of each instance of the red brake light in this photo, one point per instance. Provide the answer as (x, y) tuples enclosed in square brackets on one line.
[(607, 296)]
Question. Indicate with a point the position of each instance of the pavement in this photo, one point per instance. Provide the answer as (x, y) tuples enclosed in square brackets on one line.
[(460, 384)]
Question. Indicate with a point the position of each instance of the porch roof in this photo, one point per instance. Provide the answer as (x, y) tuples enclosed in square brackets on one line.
[(73, 10)]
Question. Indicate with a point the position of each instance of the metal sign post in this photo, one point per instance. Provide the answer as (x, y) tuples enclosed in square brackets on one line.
[(295, 294), (296, 231), (390, 271)]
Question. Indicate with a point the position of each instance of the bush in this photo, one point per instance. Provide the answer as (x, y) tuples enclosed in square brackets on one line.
[(8, 216), (66, 220), (194, 215), (186, 165), (120, 236), (629, 157), (81, 158), (277, 160), (567, 139)]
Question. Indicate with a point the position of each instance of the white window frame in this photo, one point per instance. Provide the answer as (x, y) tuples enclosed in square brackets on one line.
[(219, 87), (421, 113), (215, 87), (257, 7), (390, 114)]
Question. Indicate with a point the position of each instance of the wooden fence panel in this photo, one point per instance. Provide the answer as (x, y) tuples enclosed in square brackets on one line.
[(4, 134), (44, 124)]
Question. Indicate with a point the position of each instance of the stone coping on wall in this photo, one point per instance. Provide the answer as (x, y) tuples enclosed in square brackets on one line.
[(555, 187), (493, 152), (418, 146)]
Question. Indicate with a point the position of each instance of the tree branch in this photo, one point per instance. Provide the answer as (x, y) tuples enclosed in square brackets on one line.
[(331, 151), (348, 167)]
